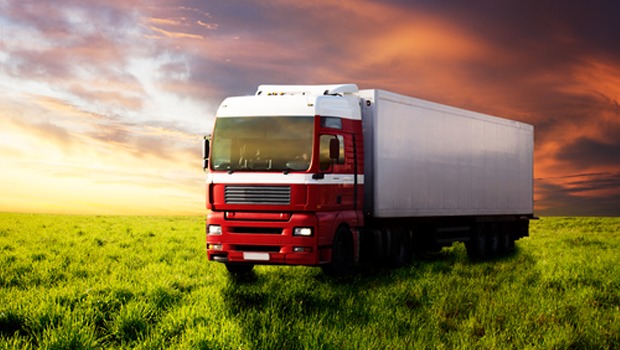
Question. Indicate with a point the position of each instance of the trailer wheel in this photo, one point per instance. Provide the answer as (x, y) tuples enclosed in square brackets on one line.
[(239, 269), (493, 242), (342, 254), (400, 252), (507, 242), (477, 245)]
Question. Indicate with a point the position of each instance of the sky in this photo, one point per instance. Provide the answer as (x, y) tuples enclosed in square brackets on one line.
[(104, 104)]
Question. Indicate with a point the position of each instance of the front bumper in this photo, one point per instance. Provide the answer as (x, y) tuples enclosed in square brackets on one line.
[(264, 238)]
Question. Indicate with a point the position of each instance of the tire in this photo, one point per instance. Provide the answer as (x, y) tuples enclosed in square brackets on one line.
[(400, 250), (239, 269), (477, 245), (493, 242), (506, 242), (342, 254), (509, 241)]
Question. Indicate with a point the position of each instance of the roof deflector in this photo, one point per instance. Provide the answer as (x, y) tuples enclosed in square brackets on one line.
[(334, 89)]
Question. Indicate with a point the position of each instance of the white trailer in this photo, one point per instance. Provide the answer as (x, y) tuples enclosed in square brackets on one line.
[(427, 159), (436, 174)]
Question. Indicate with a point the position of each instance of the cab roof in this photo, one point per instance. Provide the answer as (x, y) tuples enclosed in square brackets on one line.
[(339, 100)]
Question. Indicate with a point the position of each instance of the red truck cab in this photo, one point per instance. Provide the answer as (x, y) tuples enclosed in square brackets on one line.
[(285, 178)]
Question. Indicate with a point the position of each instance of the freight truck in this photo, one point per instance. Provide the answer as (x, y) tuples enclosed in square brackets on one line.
[(331, 175)]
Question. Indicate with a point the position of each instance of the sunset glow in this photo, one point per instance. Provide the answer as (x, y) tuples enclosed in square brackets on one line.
[(103, 105)]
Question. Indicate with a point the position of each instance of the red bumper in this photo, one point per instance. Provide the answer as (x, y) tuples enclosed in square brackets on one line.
[(264, 238)]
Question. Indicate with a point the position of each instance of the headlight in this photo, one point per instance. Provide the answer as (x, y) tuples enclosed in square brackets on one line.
[(214, 229), (302, 231)]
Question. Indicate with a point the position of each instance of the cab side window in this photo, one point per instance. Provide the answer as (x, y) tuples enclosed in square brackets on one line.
[(324, 159)]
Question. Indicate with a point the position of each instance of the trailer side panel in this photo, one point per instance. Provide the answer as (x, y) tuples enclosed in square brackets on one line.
[(426, 159)]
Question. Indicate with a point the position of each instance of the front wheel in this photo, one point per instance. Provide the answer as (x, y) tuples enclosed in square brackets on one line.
[(342, 254)]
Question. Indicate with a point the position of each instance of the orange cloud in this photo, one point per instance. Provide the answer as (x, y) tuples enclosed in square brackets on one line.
[(175, 35), (52, 167)]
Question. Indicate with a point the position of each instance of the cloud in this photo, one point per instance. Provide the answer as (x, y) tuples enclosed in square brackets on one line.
[(59, 164), (572, 199), (108, 95), (175, 35), (207, 25), (142, 81), (588, 153), (548, 65), (48, 131), (74, 131)]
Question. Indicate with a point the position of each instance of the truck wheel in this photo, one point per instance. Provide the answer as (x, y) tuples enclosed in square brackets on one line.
[(493, 245), (342, 254), (477, 245), (400, 252), (239, 269), (508, 241)]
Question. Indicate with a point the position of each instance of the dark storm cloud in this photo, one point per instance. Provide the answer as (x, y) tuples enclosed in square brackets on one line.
[(558, 201), (591, 153), (536, 45), (607, 182), (276, 42), (566, 25)]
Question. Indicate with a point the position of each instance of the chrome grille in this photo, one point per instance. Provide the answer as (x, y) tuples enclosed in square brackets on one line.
[(268, 195)]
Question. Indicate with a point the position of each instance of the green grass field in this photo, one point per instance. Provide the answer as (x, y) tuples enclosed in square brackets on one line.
[(71, 282)]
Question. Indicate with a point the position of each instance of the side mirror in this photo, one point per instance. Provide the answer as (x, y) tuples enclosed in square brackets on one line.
[(205, 153), (334, 149)]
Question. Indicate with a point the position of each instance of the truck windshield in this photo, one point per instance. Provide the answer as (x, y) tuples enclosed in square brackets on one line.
[(262, 143)]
